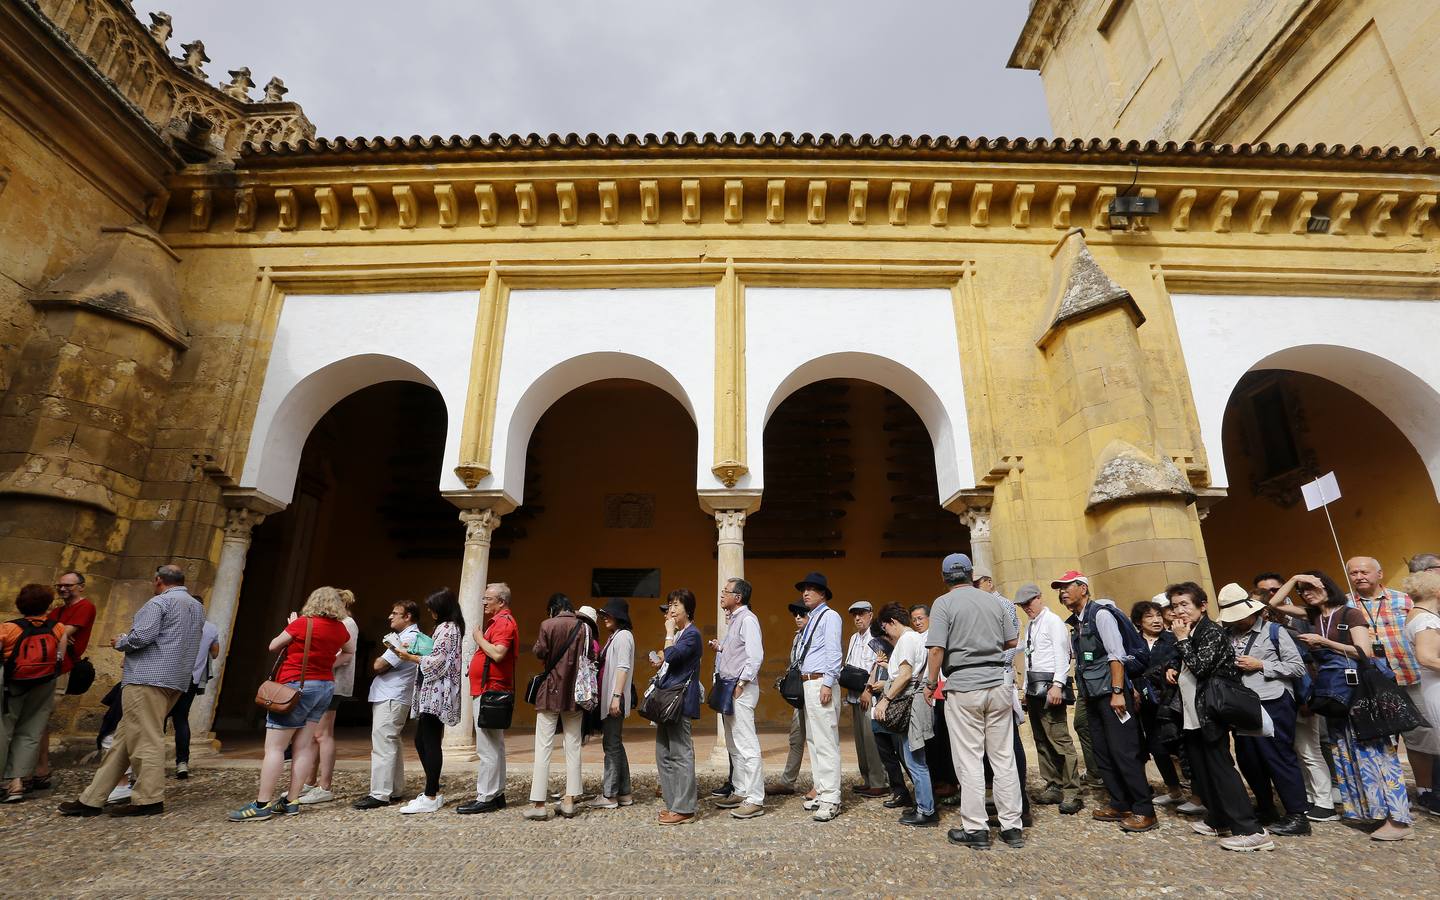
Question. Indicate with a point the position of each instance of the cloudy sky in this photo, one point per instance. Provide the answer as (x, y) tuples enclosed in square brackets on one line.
[(378, 67)]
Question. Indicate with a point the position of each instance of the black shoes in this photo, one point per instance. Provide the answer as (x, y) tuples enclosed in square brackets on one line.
[(1072, 806), (899, 801), (975, 840), (137, 809), (482, 806), (369, 802), (1013, 837), (723, 790), (1290, 826), (914, 819), (76, 808)]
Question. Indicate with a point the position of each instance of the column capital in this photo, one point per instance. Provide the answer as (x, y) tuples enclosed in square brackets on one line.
[(978, 521), (731, 524), (480, 524), (745, 501), (239, 522)]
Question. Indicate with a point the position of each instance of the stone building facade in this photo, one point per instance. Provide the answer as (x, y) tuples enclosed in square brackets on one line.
[(630, 364)]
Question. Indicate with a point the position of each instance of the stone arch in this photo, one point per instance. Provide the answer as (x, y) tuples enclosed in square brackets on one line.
[(1387, 361), (906, 384), (559, 380), (283, 438)]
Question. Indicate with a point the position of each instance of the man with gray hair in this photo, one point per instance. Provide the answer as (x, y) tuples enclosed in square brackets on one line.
[(738, 657), (492, 669), (160, 650), (968, 637), (1424, 562)]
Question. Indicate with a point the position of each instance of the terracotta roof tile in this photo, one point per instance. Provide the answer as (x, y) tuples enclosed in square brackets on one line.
[(788, 145)]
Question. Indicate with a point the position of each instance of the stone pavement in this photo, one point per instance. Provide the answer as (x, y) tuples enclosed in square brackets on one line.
[(332, 850)]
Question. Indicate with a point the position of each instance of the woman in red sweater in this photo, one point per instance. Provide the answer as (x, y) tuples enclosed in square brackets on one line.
[(328, 639)]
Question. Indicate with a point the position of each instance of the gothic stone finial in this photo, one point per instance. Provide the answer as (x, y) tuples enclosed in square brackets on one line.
[(275, 90), (240, 84), (160, 27), (194, 58)]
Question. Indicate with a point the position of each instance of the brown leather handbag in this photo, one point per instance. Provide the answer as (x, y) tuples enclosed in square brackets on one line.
[(274, 697)]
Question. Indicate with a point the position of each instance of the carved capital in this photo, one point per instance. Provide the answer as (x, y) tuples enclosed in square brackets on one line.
[(978, 521), (480, 524), (239, 523), (471, 474), (731, 525)]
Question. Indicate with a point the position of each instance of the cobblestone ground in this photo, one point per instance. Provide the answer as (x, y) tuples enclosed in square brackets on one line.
[(332, 850)]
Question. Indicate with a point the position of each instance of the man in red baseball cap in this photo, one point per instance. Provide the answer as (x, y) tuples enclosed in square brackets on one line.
[(1113, 717)]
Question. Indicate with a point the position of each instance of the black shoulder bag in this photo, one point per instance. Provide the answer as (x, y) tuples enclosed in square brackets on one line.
[(1378, 706), (496, 708), (532, 690), (792, 684)]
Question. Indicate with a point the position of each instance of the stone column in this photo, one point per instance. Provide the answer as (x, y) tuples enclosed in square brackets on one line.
[(480, 525), (221, 607), (978, 521), (730, 564)]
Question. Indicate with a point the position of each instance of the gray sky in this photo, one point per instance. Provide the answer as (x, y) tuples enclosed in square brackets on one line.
[(367, 67)]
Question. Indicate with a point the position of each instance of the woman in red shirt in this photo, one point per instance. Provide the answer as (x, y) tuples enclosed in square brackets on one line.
[(328, 638)]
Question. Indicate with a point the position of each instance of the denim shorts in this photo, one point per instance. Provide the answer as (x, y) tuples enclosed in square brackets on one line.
[(314, 698)]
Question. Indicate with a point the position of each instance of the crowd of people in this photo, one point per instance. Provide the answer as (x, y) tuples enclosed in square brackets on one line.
[(931, 691)]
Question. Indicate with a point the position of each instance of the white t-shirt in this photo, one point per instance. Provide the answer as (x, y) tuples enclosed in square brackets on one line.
[(910, 648)]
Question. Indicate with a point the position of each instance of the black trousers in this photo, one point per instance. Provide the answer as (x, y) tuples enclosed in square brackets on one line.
[(937, 752), (1119, 755), (1158, 750), (1271, 762), (180, 716), (888, 745), (1213, 776), (1019, 768), (429, 735)]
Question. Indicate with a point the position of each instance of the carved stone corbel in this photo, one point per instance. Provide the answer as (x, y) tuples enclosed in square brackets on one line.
[(567, 202), (1060, 206), (489, 209), (899, 202), (245, 209), (527, 206), (940, 203), (980, 204), (1180, 213), (690, 201), (734, 201), (649, 202), (1020, 205), (775, 201), (859, 200), (815, 202), (287, 207), (201, 202), (329, 206), (447, 206), (609, 193), (1222, 209), (365, 206), (407, 207)]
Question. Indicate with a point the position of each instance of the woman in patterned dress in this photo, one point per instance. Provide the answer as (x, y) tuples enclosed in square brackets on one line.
[(1371, 782), (437, 695)]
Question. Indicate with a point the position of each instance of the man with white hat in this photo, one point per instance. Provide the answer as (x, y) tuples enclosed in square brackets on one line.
[(1270, 661), (859, 656)]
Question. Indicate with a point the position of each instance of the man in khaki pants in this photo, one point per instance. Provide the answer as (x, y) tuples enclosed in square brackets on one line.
[(160, 650)]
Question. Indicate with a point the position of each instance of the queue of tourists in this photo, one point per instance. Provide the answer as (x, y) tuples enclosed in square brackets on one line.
[(1265, 710)]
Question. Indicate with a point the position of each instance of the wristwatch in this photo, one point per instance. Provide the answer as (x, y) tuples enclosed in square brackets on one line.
[(1115, 690)]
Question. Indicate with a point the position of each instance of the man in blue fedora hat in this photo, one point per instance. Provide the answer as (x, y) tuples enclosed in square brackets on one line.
[(820, 662)]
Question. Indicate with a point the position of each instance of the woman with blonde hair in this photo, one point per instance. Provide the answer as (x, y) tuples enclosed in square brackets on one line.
[(308, 648), (344, 672)]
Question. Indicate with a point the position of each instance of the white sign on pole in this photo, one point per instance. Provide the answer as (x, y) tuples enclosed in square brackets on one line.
[(1321, 492)]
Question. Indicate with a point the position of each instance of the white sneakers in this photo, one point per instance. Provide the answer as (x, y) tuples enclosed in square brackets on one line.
[(824, 812), (1248, 842), (120, 794), (421, 804), (316, 794)]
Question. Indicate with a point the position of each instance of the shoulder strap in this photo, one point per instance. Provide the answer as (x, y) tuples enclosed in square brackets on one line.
[(806, 649), (1251, 643), (304, 655), (555, 660)]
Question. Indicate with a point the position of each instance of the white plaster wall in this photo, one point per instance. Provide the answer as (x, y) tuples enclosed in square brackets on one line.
[(902, 339), (1383, 350), (556, 341), (328, 347)]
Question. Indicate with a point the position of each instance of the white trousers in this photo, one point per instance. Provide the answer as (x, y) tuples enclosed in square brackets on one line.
[(545, 725), (387, 757), (822, 737), (744, 746), (490, 748), (1318, 786), (981, 723)]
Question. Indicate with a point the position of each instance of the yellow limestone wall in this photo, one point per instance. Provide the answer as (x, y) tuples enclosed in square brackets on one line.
[(1234, 71), (1387, 510)]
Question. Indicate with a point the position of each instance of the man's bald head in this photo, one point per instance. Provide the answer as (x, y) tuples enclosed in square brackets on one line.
[(1366, 576)]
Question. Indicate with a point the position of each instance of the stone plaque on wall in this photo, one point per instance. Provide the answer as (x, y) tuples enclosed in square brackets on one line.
[(629, 510)]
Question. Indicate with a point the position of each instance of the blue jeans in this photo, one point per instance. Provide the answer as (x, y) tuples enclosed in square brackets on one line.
[(314, 699), (920, 775)]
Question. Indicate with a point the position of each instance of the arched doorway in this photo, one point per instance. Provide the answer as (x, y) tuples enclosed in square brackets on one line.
[(366, 514), (609, 510), (1284, 427), (851, 491)]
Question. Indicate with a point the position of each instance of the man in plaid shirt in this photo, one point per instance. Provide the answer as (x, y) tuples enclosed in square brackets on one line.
[(1387, 611)]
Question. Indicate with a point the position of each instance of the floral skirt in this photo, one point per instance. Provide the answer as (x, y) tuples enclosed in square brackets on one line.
[(1372, 784)]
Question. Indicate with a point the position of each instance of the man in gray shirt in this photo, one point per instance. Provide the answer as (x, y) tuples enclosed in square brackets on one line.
[(160, 650), (968, 639)]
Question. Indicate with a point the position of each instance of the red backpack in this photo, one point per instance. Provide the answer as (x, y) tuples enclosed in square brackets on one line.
[(35, 658)]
